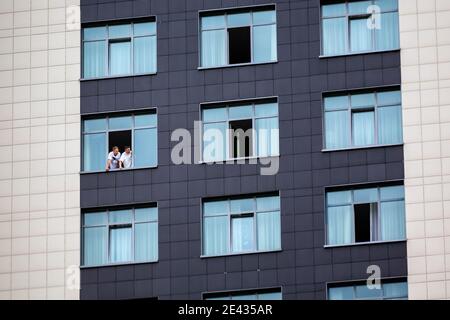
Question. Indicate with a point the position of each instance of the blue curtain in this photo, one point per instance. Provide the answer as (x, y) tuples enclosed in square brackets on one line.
[(214, 141), (94, 152), (360, 35), (145, 147), (387, 37), (242, 234), (363, 128), (341, 293), (120, 244), (215, 235), (340, 225), (269, 230), (145, 54), (94, 59), (264, 43), (395, 290), (267, 137), (95, 252), (334, 36), (214, 48), (390, 125), (146, 241), (337, 130), (120, 58), (393, 220)]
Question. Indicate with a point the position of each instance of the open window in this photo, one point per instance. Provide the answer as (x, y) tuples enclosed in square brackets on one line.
[(120, 139), (365, 222), (239, 45), (242, 142)]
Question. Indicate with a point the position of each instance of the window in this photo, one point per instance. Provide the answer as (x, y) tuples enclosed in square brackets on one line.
[(240, 131), (365, 215), (117, 50), (241, 225), (359, 26), (363, 119), (238, 37), (390, 290), (137, 131), (120, 236), (263, 294)]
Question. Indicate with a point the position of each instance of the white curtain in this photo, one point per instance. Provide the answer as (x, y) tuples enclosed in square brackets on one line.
[(242, 234), (264, 43), (120, 58), (267, 140), (145, 147), (269, 230), (94, 59), (94, 152), (334, 36), (390, 125), (387, 36), (214, 48), (337, 129), (360, 35), (340, 225), (363, 128), (145, 54), (215, 235), (146, 241), (393, 220), (95, 246), (215, 141), (120, 244)]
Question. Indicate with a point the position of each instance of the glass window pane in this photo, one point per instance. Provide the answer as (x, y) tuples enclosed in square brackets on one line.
[(264, 17), (365, 195), (339, 225), (145, 214), (213, 22), (215, 235), (94, 59), (333, 10), (387, 35), (267, 137), (94, 152), (116, 123), (360, 35), (120, 216), (214, 208), (264, 43), (94, 246), (120, 244), (145, 54), (363, 128), (242, 234), (389, 98), (95, 218), (120, 31), (266, 109), (339, 197), (390, 129), (334, 36), (337, 129), (336, 103), (242, 205), (270, 296), (269, 231), (395, 290), (363, 292), (146, 242), (340, 293), (145, 120), (214, 141), (359, 7), (244, 297), (120, 58), (241, 112), (145, 147), (94, 125), (267, 203), (239, 19), (387, 5), (393, 220), (214, 51), (392, 193), (96, 33), (214, 114), (144, 28), (362, 100)]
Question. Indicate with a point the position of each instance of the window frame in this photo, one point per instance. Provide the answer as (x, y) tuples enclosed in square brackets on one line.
[(133, 128), (241, 292), (107, 40), (109, 226), (378, 213), (348, 18), (230, 216), (233, 10), (372, 90), (355, 283)]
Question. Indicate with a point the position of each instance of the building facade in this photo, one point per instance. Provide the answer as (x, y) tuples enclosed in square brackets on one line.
[(346, 102)]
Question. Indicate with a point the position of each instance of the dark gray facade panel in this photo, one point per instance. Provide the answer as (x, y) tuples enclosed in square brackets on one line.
[(299, 79)]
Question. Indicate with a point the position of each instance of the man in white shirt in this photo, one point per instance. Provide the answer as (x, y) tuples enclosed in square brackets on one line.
[(126, 160), (112, 163)]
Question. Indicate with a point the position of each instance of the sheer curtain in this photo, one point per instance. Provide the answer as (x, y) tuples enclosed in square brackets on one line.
[(120, 58), (146, 242), (393, 220), (387, 37), (363, 128), (264, 43), (267, 137), (120, 244), (360, 35), (214, 48), (215, 235), (340, 225), (95, 246), (215, 141), (390, 125), (94, 152), (334, 36), (337, 129), (269, 231), (94, 59), (145, 54), (242, 234), (145, 147)]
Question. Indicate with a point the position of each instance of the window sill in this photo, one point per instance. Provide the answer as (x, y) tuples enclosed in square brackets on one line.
[(357, 53), (233, 160), (121, 170), (364, 147), (119, 76), (118, 264), (239, 254), (238, 65), (362, 243)]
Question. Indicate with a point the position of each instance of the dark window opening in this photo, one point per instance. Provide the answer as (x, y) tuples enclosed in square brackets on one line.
[(120, 139), (362, 222), (239, 47), (241, 142)]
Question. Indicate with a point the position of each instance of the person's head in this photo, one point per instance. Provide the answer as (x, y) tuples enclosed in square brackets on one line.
[(115, 150), (127, 149)]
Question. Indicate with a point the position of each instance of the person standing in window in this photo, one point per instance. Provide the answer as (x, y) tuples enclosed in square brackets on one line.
[(113, 160), (126, 159)]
